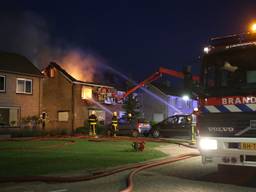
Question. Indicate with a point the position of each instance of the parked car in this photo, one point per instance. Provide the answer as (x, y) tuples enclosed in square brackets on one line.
[(135, 128), (177, 125), (142, 127)]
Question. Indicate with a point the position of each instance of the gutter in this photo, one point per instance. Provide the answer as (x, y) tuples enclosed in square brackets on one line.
[(84, 83), (73, 109), (91, 84), (26, 74)]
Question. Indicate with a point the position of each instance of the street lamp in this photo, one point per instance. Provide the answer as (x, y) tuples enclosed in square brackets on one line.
[(206, 50), (253, 28), (185, 97)]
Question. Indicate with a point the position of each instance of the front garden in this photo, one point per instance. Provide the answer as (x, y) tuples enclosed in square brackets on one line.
[(61, 156)]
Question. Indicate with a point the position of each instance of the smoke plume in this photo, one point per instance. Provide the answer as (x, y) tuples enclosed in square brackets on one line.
[(80, 65), (28, 34)]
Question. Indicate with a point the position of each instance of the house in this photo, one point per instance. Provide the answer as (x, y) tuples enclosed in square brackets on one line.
[(68, 102), (20, 90), (159, 101)]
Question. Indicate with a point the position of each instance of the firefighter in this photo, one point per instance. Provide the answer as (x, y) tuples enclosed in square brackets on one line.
[(193, 125), (129, 117), (43, 117), (114, 123), (92, 123)]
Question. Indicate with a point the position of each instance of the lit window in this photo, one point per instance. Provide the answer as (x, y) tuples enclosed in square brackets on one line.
[(52, 72), (63, 116), (2, 83), (24, 86), (86, 93)]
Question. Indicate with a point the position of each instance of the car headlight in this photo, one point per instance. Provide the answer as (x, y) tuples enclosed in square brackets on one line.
[(208, 144)]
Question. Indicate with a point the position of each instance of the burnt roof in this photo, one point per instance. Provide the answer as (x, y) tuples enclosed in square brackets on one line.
[(59, 68), (15, 63), (72, 79)]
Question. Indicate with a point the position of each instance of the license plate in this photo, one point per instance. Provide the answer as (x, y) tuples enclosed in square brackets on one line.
[(248, 146)]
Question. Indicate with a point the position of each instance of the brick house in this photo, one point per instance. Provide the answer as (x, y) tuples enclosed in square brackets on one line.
[(67, 102), (20, 90)]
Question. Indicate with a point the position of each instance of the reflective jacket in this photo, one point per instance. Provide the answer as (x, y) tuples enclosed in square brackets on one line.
[(114, 120), (93, 120)]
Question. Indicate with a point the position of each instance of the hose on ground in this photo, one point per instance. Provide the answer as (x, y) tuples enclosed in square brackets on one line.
[(130, 184)]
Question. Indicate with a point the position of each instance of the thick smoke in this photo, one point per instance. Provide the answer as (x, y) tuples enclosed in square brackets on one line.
[(27, 34), (80, 65)]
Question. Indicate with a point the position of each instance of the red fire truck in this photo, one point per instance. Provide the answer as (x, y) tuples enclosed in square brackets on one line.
[(227, 113)]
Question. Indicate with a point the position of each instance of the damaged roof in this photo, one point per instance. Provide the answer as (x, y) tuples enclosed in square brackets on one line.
[(59, 68), (73, 80), (15, 63)]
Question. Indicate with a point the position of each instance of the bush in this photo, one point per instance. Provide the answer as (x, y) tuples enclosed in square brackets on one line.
[(82, 130), (28, 133), (33, 122), (57, 132), (152, 123), (100, 130)]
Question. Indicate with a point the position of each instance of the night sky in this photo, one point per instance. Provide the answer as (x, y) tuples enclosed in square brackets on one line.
[(137, 37)]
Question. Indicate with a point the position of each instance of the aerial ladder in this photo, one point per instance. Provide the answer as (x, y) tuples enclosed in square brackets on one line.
[(186, 75), (158, 74)]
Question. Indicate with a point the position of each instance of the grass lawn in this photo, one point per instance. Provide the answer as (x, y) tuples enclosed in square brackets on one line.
[(23, 158)]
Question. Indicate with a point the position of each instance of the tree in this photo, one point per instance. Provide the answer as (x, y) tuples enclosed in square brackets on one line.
[(131, 105)]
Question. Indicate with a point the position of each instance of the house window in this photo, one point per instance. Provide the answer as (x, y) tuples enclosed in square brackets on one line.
[(189, 104), (52, 72), (2, 83), (24, 86), (178, 103), (86, 92), (9, 116), (158, 117), (63, 116)]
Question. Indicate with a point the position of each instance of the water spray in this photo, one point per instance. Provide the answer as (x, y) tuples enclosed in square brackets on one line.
[(145, 90), (101, 106)]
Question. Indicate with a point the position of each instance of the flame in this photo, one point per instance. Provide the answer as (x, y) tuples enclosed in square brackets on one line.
[(81, 67), (86, 92)]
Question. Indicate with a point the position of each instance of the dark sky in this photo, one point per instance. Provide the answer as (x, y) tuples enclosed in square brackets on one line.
[(139, 36)]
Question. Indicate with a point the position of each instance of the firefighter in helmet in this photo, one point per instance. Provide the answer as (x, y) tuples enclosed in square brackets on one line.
[(92, 123), (43, 118), (114, 123), (129, 117), (130, 121)]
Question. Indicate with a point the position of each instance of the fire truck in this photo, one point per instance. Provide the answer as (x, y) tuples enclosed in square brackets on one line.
[(226, 119)]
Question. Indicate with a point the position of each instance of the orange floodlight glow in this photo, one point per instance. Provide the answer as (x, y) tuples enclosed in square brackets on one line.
[(253, 27)]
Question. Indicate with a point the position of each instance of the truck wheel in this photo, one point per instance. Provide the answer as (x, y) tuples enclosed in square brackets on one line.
[(155, 134), (135, 133)]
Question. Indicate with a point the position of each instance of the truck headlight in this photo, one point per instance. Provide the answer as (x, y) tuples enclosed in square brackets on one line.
[(208, 144)]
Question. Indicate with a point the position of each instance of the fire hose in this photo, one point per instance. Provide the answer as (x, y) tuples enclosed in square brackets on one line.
[(137, 166), (130, 184), (60, 179)]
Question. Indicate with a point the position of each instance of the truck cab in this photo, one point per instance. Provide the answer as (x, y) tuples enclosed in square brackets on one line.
[(227, 113)]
